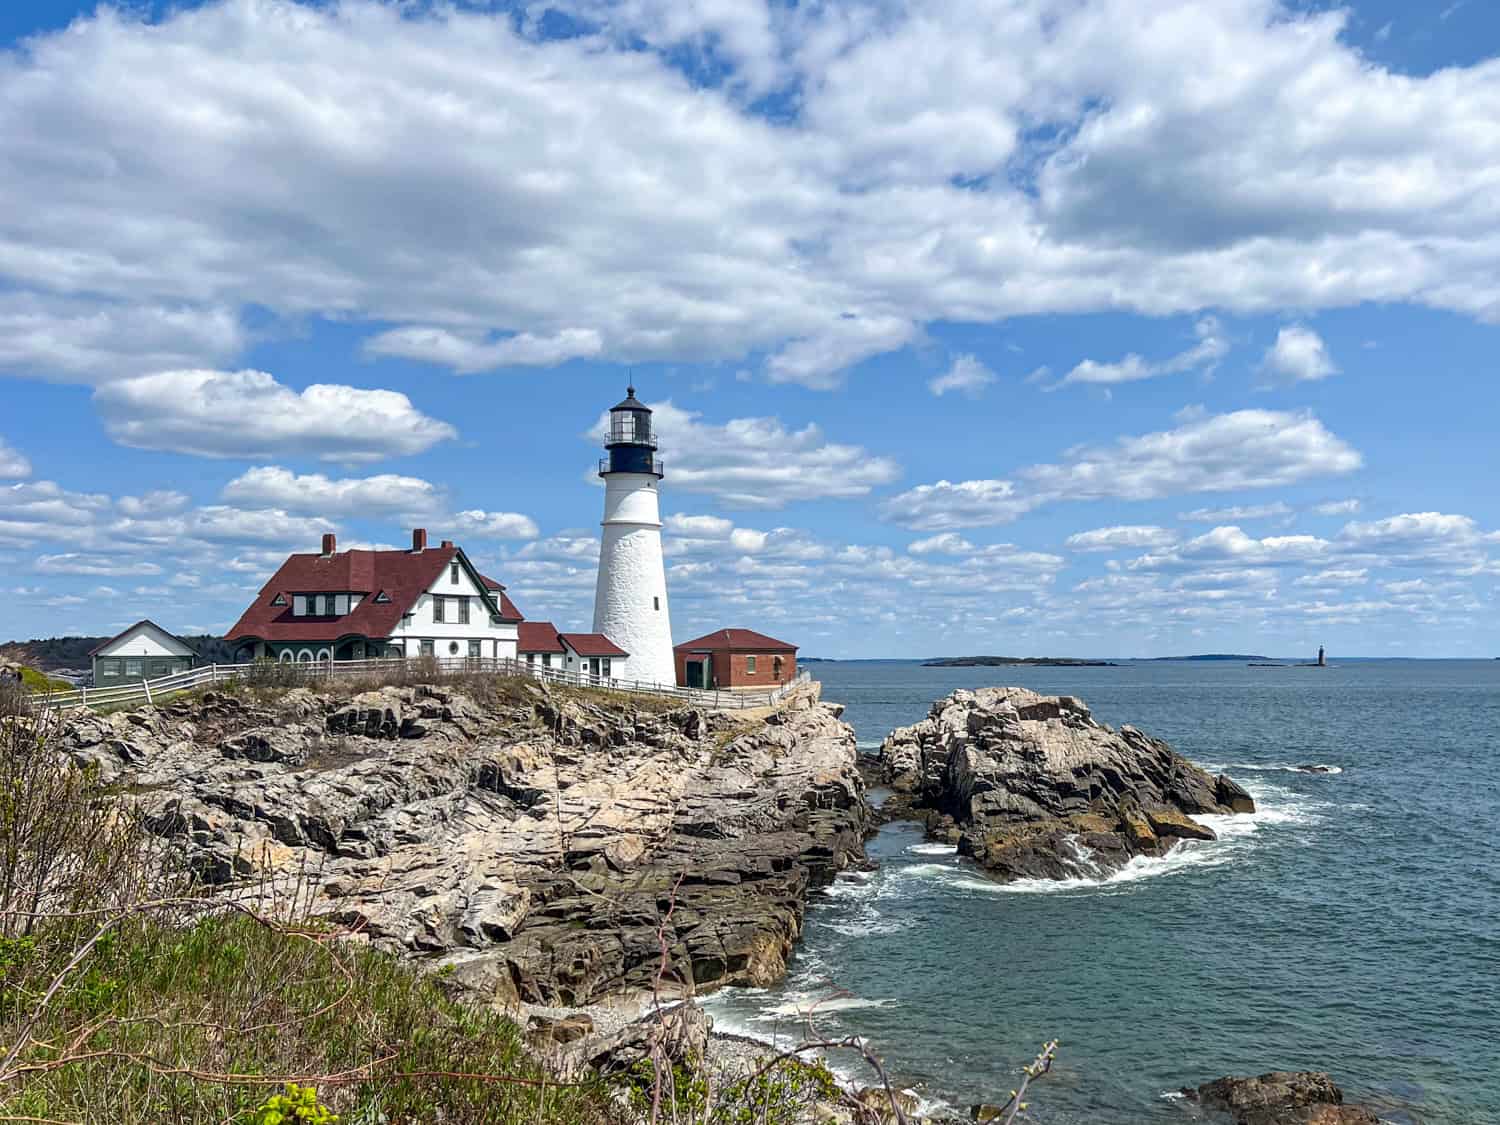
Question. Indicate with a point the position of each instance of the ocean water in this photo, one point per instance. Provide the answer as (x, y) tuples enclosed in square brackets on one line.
[(1351, 925)]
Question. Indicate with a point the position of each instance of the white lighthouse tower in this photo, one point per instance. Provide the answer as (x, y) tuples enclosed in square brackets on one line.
[(630, 598)]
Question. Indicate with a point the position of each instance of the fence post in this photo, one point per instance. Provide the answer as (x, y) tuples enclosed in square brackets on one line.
[(145, 683)]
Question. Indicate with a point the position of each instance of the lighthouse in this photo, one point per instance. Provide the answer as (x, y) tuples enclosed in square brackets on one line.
[(630, 596)]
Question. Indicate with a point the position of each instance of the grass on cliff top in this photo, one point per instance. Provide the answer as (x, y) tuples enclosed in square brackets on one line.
[(40, 681), (207, 1023)]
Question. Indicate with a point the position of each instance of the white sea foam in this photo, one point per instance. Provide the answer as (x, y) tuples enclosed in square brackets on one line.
[(933, 849), (1311, 769)]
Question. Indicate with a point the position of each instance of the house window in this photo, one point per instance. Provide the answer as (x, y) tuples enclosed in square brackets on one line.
[(463, 610), (473, 650), (546, 660), (776, 667), (606, 666), (132, 667), (749, 665), (341, 604), (439, 608), (279, 599), (382, 598), (299, 605), (452, 648), (427, 648), (531, 658), (453, 573)]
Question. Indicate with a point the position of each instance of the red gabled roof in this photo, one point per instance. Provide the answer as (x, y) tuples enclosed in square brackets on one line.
[(508, 610), (538, 636), (592, 644), (403, 576), (737, 640), (144, 621)]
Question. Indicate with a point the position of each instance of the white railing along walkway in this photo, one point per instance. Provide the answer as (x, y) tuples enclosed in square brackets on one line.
[(413, 669)]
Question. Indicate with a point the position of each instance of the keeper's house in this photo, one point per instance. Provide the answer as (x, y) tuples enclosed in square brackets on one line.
[(588, 654), (361, 605), (142, 652), (735, 658)]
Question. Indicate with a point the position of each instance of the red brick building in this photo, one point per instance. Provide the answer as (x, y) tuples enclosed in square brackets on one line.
[(735, 658)]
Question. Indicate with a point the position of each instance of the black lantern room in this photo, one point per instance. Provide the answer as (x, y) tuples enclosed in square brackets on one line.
[(631, 444)]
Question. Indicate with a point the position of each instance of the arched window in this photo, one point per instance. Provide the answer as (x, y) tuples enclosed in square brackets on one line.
[(286, 656), (305, 656)]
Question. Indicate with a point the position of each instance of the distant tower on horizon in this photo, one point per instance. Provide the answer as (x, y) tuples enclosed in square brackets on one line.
[(630, 597), (1322, 658)]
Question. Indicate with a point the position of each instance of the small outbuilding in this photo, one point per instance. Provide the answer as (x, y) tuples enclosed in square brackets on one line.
[(735, 658), (145, 651)]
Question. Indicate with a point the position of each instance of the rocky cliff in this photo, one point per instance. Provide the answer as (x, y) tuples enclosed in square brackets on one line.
[(542, 841), (1032, 786)]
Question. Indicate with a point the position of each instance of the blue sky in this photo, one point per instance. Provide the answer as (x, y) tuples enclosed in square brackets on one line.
[(1034, 327)]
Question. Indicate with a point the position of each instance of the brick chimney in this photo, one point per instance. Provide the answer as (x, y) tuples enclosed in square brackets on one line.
[(447, 544), (330, 543), (418, 540)]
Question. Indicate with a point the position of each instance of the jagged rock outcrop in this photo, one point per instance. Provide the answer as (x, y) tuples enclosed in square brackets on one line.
[(545, 843), (1032, 786), (1281, 1098)]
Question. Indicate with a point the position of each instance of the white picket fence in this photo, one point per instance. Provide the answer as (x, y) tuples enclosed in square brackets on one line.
[(413, 670)]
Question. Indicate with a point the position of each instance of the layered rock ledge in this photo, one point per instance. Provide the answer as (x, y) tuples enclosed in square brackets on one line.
[(544, 843), (1033, 786)]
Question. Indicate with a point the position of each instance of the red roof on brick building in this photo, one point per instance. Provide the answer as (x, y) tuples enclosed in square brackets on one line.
[(735, 640), (592, 644), (390, 582), (538, 636)]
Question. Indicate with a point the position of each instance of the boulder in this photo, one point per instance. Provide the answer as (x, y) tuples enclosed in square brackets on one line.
[(558, 1030), (1233, 795), (1033, 786), (1164, 822), (1281, 1098), (879, 1104)]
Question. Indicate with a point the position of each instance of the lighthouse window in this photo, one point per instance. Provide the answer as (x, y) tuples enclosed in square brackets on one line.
[(655, 603)]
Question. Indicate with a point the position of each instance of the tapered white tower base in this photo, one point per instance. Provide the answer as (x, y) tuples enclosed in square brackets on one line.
[(630, 599)]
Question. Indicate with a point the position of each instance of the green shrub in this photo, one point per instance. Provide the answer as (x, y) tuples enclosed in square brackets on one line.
[(299, 1103)]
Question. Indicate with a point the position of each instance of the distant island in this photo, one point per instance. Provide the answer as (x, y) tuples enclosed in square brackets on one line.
[(1004, 661), (1212, 656)]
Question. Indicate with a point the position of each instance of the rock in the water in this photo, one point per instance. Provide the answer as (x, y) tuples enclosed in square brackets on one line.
[(1233, 794), (1032, 786), (1281, 1098)]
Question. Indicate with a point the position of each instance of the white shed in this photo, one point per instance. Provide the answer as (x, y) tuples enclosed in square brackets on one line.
[(142, 652)]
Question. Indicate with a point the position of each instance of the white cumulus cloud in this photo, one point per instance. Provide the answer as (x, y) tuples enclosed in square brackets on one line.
[(1206, 453), (1299, 355), (385, 494), (967, 376), (249, 414)]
